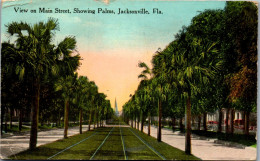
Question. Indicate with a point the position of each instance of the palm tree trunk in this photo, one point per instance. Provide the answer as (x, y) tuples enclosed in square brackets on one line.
[(159, 132), (94, 119), (2, 119), (163, 122), (232, 121), (6, 122), (89, 121), (173, 123), (11, 118), (80, 121), (247, 115), (2, 123), (199, 121), (138, 122), (142, 123), (227, 119), (181, 125), (205, 121), (132, 122), (57, 122), (220, 121), (20, 119), (192, 121), (243, 121), (149, 124), (97, 119), (188, 122), (35, 115), (59, 119), (5, 118), (135, 121), (66, 118)]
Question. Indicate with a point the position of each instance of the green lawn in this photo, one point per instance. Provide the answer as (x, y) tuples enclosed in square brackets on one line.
[(87, 148), (169, 152), (112, 148), (43, 152), (15, 128), (135, 149)]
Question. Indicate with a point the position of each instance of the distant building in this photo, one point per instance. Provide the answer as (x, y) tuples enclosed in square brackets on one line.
[(213, 118), (116, 109)]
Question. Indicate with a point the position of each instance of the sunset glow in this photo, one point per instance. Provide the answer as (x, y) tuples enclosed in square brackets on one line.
[(111, 45)]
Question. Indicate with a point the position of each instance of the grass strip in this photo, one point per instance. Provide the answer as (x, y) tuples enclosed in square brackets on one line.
[(101, 144), (72, 146), (169, 152), (85, 150), (47, 150), (151, 148), (123, 144), (112, 148), (15, 129), (135, 149)]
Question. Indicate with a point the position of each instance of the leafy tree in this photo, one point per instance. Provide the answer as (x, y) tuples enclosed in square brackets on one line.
[(242, 20)]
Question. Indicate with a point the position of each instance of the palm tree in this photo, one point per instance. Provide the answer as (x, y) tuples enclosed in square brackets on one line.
[(145, 74), (67, 86), (159, 84), (33, 45), (82, 87), (92, 93), (39, 58), (197, 67), (99, 99)]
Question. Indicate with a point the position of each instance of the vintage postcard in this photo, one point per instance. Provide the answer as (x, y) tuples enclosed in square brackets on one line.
[(128, 80)]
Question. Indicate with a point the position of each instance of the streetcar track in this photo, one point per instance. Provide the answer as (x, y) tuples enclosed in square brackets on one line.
[(151, 148), (72, 146), (123, 143), (101, 145)]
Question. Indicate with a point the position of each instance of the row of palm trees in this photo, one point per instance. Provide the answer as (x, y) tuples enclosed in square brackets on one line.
[(39, 76), (200, 71), (83, 95)]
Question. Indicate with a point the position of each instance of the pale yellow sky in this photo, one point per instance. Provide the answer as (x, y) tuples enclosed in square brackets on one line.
[(115, 74)]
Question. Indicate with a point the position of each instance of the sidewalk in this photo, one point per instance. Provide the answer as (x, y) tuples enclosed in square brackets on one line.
[(204, 149), (17, 143)]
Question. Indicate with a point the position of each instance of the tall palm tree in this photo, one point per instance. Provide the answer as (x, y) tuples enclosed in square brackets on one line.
[(92, 94), (194, 66), (159, 84), (100, 99), (33, 45), (82, 87), (145, 75), (67, 86)]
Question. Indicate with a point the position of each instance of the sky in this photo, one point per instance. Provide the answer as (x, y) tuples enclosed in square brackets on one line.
[(111, 45)]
